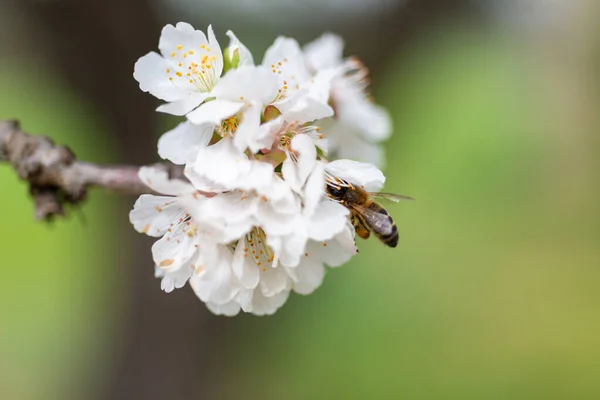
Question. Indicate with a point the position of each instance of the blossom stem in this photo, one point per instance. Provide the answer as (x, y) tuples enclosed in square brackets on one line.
[(57, 178)]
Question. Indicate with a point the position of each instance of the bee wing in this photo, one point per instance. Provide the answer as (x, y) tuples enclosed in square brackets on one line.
[(390, 196), (380, 223)]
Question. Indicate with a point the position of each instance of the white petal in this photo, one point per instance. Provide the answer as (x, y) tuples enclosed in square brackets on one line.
[(324, 52), (233, 206), (262, 305), (153, 214), (248, 83), (371, 119), (315, 188), (296, 173), (183, 34), (336, 252), (216, 50), (176, 249), (221, 163), (290, 248), (274, 223), (180, 145), (304, 108), (328, 220), (228, 309), (262, 136), (174, 280), (245, 270), (214, 112), (248, 131), (150, 72), (214, 283), (245, 57), (310, 273), (158, 180), (286, 56), (348, 142), (365, 175), (183, 105)]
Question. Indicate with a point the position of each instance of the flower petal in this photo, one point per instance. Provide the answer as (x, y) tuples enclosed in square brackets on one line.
[(221, 163), (245, 270), (153, 214), (180, 145), (228, 309), (248, 83), (324, 52), (183, 34), (213, 283), (214, 112), (158, 180), (176, 249), (328, 220), (173, 280), (310, 273), (184, 105), (295, 173), (149, 71), (365, 175)]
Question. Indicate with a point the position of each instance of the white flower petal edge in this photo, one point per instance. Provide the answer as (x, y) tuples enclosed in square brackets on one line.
[(324, 52), (180, 145), (366, 175)]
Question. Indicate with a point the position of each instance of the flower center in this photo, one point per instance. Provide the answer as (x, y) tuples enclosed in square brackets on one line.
[(255, 245), (289, 130), (229, 126), (194, 69)]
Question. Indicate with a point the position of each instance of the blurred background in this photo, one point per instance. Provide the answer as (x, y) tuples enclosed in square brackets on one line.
[(492, 292)]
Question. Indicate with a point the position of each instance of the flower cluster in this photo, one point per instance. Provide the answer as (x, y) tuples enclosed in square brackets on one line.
[(253, 221)]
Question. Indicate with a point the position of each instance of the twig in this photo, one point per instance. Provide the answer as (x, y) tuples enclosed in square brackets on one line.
[(57, 178)]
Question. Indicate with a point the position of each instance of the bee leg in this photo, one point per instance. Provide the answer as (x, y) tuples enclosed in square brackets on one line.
[(359, 226)]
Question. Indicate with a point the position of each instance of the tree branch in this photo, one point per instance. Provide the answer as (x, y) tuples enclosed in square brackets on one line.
[(57, 178)]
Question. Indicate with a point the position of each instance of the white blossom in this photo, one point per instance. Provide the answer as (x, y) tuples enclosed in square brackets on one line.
[(186, 70), (252, 222), (359, 124)]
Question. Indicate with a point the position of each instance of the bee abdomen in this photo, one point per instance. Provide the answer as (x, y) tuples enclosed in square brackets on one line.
[(391, 238)]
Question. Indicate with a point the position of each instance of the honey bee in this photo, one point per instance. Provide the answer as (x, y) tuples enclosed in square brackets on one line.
[(366, 215)]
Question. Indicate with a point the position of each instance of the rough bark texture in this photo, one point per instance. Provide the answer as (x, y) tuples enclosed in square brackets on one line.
[(57, 178)]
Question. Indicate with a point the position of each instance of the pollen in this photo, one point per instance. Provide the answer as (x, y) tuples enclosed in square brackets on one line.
[(178, 74), (168, 71), (179, 47), (306, 254), (191, 52), (173, 54), (166, 263), (324, 244)]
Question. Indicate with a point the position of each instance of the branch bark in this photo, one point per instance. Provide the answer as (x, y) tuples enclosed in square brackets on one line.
[(57, 178)]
